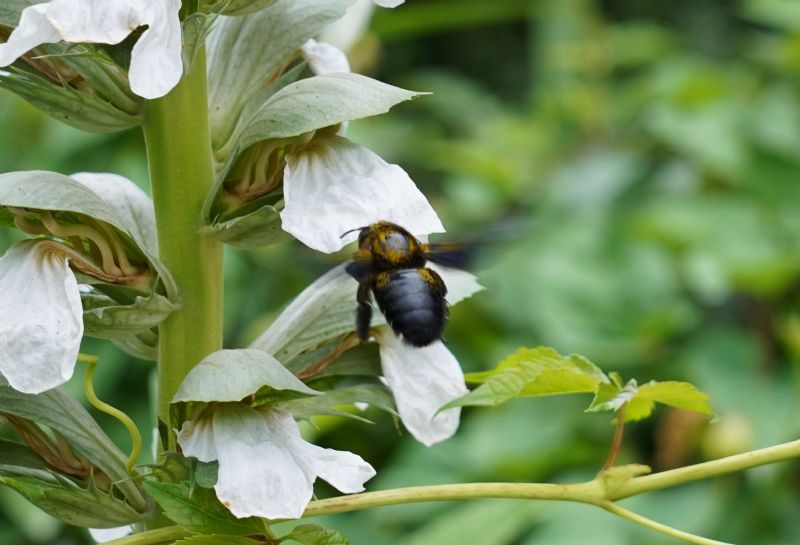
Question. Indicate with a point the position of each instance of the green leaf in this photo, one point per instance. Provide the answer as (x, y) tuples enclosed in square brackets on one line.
[(639, 401), (261, 227), (325, 311), (61, 412), (232, 375), (375, 394), (10, 11), (199, 510), (72, 504), (235, 7), (245, 52), (80, 110), (311, 534), (532, 372), (321, 101), (217, 540)]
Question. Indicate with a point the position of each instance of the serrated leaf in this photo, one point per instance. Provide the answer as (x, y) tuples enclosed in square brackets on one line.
[(321, 101), (532, 372), (198, 509), (325, 311), (680, 395), (232, 375), (74, 505), (311, 534), (639, 401)]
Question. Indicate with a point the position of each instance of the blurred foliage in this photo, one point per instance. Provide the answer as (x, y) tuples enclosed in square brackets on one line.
[(641, 162)]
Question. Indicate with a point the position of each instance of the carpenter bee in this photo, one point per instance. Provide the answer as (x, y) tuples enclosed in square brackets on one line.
[(390, 262)]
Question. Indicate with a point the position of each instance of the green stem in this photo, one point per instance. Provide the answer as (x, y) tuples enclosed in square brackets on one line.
[(707, 470), (590, 492), (152, 537), (612, 507), (180, 160), (97, 403)]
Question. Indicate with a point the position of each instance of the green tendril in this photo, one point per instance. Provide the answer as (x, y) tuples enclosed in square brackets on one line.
[(136, 436)]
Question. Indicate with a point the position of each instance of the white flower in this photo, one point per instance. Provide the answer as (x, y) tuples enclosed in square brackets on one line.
[(325, 58), (41, 317), (156, 64), (101, 535), (388, 3), (266, 469), (422, 381), (333, 186)]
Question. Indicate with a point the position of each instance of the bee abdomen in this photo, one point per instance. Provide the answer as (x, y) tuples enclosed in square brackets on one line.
[(413, 301)]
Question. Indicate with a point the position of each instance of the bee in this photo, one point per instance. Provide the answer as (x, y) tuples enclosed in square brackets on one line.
[(390, 263)]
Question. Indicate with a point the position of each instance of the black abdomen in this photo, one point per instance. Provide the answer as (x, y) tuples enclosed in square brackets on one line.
[(413, 301)]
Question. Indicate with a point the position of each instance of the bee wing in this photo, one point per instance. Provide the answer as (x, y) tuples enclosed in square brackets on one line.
[(455, 255)]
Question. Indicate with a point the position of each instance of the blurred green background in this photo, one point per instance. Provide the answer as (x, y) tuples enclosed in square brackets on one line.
[(646, 156)]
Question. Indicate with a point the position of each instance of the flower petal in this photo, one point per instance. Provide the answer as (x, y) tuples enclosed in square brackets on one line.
[(344, 470), (156, 64), (33, 30), (258, 472), (388, 3), (422, 380), (101, 535), (325, 58), (41, 317), (196, 439), (334, 186)]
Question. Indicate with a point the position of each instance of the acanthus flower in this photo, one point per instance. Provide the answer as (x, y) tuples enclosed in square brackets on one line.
[(156, 65)]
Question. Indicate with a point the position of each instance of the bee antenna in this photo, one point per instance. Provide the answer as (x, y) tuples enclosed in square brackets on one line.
[(352, 231)]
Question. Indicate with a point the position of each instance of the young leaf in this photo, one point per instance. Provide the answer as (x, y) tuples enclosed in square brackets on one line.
[(232, 375), (198, 509), (639, 401), (311, 534), (532, 372)]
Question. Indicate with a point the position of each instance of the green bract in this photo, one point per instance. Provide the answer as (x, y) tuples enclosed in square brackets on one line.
[(128, 297)]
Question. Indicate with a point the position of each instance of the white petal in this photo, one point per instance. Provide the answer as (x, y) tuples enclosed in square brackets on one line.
[(325, 58), (196, 439), (101, 535), (344, 470), (41, 318), (258, 473), (347, 30), (460, 284), (34, 29), (388, 3), (422, 380), (156, 64), (334, 186)]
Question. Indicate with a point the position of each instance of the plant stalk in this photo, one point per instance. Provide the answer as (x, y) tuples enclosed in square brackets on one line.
[(180, 160)]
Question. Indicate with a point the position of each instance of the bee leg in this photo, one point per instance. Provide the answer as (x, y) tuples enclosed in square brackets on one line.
[(364, 311)]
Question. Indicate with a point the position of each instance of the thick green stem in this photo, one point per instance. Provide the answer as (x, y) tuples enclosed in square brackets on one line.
[(179, 155)]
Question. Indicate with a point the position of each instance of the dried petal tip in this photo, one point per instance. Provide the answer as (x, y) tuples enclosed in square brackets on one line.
[(41, 317)]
